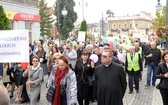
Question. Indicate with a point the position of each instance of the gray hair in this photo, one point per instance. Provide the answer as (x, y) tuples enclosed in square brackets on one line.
[(4, 97), (108, 50)]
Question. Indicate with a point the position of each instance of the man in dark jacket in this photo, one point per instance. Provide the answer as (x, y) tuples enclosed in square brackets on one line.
[(110, 80), (153, 57)]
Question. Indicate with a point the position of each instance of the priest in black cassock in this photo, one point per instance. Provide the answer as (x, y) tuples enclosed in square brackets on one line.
[(110, 81)]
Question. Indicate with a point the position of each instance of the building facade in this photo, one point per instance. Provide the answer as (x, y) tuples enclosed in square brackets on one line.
[(23, 14), (126, 25)]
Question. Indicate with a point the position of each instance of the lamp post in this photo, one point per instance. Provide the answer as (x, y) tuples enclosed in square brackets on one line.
[(158, 8), (64, 13), (83, 9), (58, 22)]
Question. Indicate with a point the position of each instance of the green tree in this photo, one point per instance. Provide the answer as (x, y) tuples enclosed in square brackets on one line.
[(65, 24), (160, 19), (83, 26), (4, 21), (46, 19), (110, 13)]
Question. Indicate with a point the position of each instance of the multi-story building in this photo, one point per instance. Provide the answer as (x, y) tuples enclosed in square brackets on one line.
[(23, 14), (125, 25)]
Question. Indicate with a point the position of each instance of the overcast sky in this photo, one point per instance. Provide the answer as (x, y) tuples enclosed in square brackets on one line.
[(95, 8)]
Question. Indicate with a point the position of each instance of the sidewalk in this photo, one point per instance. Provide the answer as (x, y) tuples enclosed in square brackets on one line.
[(150, 96)]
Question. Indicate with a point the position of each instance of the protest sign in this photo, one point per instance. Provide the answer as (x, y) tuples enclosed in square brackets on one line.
[(81, 36), (14, 46)]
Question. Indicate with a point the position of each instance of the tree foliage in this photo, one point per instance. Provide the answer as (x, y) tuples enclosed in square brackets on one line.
[(65, 24), (4, 21), (83, 26), (160, 19), (46, 19), (110, 13)]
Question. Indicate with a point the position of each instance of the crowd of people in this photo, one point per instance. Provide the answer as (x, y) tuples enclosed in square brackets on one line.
[(78, 78)]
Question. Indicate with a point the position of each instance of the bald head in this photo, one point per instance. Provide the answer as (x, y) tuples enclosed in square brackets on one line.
[(4, 97)]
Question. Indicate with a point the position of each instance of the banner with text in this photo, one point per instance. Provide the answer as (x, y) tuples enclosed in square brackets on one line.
[(14, 46), (81, 36)]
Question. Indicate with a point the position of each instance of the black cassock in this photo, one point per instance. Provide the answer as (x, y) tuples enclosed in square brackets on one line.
[(111, 84)]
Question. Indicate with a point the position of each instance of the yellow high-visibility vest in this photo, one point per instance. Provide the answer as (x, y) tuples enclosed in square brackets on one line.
[(133, 64)]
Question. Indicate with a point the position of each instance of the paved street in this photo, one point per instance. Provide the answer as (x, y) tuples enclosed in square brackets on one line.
[(150, 96)]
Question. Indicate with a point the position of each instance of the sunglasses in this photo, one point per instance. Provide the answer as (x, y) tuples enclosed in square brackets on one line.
[(104, 56), (35, 61)]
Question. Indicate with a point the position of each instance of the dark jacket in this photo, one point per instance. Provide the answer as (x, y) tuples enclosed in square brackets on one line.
[(111, 84), (160, 71), (83, 70), (155, 58), (115, 60)]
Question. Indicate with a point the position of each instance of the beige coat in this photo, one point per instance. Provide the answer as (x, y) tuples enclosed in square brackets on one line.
[(5, 76)]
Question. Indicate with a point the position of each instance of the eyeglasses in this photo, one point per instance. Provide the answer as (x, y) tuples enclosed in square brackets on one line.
[(35, 61), (104, 56)]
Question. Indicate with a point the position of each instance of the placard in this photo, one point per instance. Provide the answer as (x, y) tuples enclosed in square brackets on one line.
[(14, 46)]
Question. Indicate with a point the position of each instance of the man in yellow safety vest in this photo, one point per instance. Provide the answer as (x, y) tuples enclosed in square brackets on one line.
[(133, 67)]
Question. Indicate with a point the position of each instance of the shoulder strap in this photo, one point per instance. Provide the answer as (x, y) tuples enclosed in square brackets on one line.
[(35, 72)]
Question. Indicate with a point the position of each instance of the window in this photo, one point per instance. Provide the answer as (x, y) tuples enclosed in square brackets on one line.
[(130, 26), (114, 27), (119, 26), (11, 24), (136, 25), (125, 26), (28, 25)]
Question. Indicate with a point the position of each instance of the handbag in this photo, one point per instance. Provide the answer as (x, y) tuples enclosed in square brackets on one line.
[(50, 94), (164, 84), (91, 80)]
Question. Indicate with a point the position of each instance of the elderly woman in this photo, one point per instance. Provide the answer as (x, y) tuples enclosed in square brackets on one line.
[(84, 68), (65, 82), (53, 69), (35, 76), (162, 74)]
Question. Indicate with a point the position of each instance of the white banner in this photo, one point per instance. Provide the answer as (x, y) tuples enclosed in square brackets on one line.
[(14, 46), (81, 36)]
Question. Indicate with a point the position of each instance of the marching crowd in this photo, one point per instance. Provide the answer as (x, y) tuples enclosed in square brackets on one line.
[(86, 72)]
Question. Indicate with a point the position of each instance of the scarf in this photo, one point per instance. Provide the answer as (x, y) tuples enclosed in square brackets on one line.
[(59, 75)]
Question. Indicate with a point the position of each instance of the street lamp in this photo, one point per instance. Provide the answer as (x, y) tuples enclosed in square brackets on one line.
[(64, 11), (83, 9), (159, 7)]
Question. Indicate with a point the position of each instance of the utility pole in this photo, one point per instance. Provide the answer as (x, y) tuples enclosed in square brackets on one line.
[(58, 23), (166, 12), (83, 9)]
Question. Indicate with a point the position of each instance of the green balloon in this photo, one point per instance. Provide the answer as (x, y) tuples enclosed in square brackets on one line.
[(74, 43)]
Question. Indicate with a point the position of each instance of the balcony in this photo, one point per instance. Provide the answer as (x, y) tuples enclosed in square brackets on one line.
[(125, 29), (114, 30), (30, 3)]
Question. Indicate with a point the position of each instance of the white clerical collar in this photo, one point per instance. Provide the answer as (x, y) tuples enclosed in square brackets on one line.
[(107, 64)]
